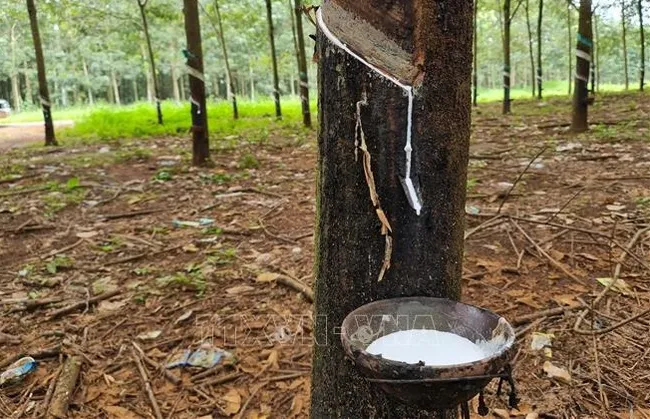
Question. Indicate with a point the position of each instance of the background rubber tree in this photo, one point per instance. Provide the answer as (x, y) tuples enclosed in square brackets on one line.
[(44, 93), (639, 5), (579, 122), (302, 65), (351, 251), (194, 56), (142, 4), (507, 16), (539, 77), (274, 60)]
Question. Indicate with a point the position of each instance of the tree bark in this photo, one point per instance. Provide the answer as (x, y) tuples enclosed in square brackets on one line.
[(136, 94), (200, 143), (89, 88), (570, 55), (475, 52), (584, 48), (274, 60), (116, 88), (175, 91), (181, 83), (530, 45), (29, 96), (540, 80), (624, 35), (506, 56), (597, 53), (231, 95), (15, 80), (152, 61), (302, 66), (427, 248), (44, 93), (252, 80), (642, 34)]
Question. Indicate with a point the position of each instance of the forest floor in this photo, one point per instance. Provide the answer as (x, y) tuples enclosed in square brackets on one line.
[(109, 247)]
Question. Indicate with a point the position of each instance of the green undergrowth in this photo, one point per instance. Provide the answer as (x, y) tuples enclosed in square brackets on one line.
[(256, 122)]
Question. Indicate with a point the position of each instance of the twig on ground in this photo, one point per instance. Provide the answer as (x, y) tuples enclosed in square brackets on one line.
[(65, 387), (242, 412), (566, 204), (530, 163), (554, 262), (275, 236), (32, 305), (111, 199), (82, 304), (111, 217), (297, 286), (527, 318), (147, 383), (601, 392), (153, 364), (48, 394), (495, 220), (24, 191), (617, 273), (64, 249), (222, 380), (143, 255), (612, 327), (37, 355)]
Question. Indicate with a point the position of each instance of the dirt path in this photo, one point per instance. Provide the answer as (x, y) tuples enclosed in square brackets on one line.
[(25, 133)]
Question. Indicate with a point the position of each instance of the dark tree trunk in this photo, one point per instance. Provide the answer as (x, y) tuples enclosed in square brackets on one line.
[(276, 79), (506, 56), (302, 66), (44, 93), (427, 248), (475, 51), (530, 45), (152, 60), (224, 50), (642, 65), (597, 53), (624, 35), (540, 80), (583, 58), (570, 51), (194, 55)]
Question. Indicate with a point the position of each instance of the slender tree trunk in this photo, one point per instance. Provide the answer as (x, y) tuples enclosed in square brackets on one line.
[(427, 249), (506, 56), (475, 52), (530, 46), (15, 80), (540, 80), (570, 54), (624, 35), (276, 79), (116, 88), (642, 33), (252, 79), (175, 91), (229, 78), (302, 66), (597, 53), (152, 61), (200, 144), (29, 96), (181, 83), (136, 96), (50, 139), (89, 88), (583, 58)]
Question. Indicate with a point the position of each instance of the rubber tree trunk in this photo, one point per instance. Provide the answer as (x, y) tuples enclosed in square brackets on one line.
[(570, 50), (507, 21), (540, 79), (194, 55), (302, 66), (530, 45), (583, 58), (152, 60), (642, 33), (626, 72), (274, 60), (427, 249), (116, 89), (597, 53), (224, 50), (89, 88), (174, 75), (475, 52), (29, 96), (44, 93), (15, 80)]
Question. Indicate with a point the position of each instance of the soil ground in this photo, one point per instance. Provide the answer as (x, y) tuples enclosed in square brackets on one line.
[(78, 223), (25, 133)]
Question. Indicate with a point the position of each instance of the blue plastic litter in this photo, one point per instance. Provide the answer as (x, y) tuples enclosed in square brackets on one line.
[(204, 357), (18, 370)]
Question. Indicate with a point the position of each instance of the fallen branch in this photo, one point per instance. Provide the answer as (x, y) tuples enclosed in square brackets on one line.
[(147, 384), (64, 389), (275, 236), (248, 401), (554, 262), (110, 217), (222, 380), (143, 255), (153, 364), (612, 327), (521, 320), (530, 163), (50, 352), (24, 191), (83, 304), (34, 304), (64, 249), (297, 286)]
